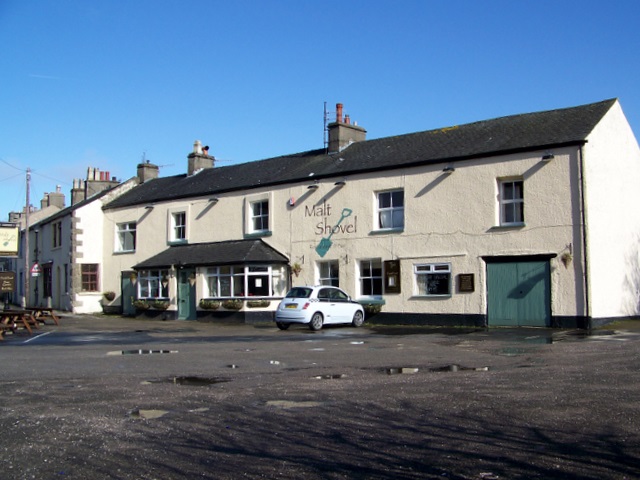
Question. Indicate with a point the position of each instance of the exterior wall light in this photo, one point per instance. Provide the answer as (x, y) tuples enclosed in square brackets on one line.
[(341, 183), (547, 157), (214, 200), (448, 170), (149, 207), (313, 186)]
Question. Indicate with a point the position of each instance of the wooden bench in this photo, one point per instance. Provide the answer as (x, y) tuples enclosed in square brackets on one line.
[(42, 313)]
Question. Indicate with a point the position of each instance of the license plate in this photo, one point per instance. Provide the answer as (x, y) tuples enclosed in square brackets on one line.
[(291, 305)]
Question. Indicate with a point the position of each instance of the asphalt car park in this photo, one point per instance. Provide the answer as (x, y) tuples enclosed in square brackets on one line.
[(109, 397)]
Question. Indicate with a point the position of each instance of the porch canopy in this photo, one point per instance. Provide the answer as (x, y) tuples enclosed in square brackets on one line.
[(231, 252)]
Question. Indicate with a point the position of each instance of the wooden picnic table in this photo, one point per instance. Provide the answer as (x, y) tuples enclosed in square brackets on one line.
[(42, 313), (12, 319)]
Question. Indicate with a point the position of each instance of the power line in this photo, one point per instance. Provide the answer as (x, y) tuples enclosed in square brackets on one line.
[(12, 166), (50, 178)]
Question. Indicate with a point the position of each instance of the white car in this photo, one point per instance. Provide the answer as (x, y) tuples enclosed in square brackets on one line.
[(317, 306)]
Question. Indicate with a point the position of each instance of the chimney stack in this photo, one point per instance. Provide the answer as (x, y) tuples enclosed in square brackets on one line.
[(199, 159), (147, 171), (342, 133)]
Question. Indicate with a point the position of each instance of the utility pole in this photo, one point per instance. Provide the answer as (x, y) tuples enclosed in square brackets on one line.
[(27, 268)]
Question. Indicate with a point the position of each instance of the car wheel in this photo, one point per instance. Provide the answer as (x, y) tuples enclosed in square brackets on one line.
[(358, 319), (283, 326), (316, 321)]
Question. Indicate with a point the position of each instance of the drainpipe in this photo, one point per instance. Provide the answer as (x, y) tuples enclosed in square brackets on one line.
[(585, 255)]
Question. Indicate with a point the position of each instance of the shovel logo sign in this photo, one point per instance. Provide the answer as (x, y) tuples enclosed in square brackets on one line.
[(346, 223)]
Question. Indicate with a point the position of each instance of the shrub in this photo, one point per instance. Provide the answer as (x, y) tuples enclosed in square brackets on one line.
[(372, 308)]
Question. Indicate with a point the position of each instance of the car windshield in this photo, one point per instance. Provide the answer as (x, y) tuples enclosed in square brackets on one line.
[(299, 292)]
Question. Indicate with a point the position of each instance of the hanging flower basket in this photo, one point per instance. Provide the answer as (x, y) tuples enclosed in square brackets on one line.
[(296, 268), (109, 296)]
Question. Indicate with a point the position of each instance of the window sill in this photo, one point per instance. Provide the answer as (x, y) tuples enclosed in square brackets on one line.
[(371, 301), (509, 226), (431, 297), (178, 242), (263, 233), (123, 252), (384, 231)]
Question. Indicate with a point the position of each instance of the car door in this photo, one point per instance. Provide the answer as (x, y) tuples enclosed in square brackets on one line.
[(327, 305), (343, 308)]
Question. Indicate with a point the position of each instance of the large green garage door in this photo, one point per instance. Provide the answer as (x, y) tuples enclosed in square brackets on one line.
[(519, 293)]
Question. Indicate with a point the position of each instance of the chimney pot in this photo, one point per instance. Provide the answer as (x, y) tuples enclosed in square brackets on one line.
[(197, 147), (339, 112), (347, 120)]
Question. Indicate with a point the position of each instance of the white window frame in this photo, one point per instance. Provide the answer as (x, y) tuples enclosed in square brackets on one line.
[(328, 273), (123, 230), (511, 208), (153, 284), (430, 269), (173, 228), (179, 226), (372, 264), (261, 216), (391, 210), (250, 217), (241, 280)]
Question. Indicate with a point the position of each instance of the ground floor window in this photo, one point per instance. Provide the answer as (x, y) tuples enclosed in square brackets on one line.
[(329, 273), (153, 284), (245, 281), (370, 272), (432, 279), (89, 273)]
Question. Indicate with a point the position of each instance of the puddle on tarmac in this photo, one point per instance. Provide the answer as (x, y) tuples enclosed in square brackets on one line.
[(148, 414), (287, 404), (401, 370), (330, 377), (458, 368), (423, 330), (141, 352), (191, 381)]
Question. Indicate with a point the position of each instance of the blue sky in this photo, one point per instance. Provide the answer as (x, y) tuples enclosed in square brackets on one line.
[(107, 83)]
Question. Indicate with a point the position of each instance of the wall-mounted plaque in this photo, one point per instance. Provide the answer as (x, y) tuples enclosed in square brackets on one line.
[(392, 276), (466, 282)]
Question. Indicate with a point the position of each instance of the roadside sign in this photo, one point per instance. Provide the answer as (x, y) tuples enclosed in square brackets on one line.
[(36, 270), (7, 281)]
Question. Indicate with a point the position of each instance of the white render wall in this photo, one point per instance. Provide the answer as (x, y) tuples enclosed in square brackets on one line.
[(612, 172), (448, 218), (89, 248)]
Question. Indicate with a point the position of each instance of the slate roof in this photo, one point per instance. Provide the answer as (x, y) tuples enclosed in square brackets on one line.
[(215, 253), (67, 210), (516, 133)]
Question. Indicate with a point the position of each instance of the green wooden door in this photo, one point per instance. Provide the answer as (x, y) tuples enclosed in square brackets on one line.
[(129, 293), (519, 293), (186, 295)]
